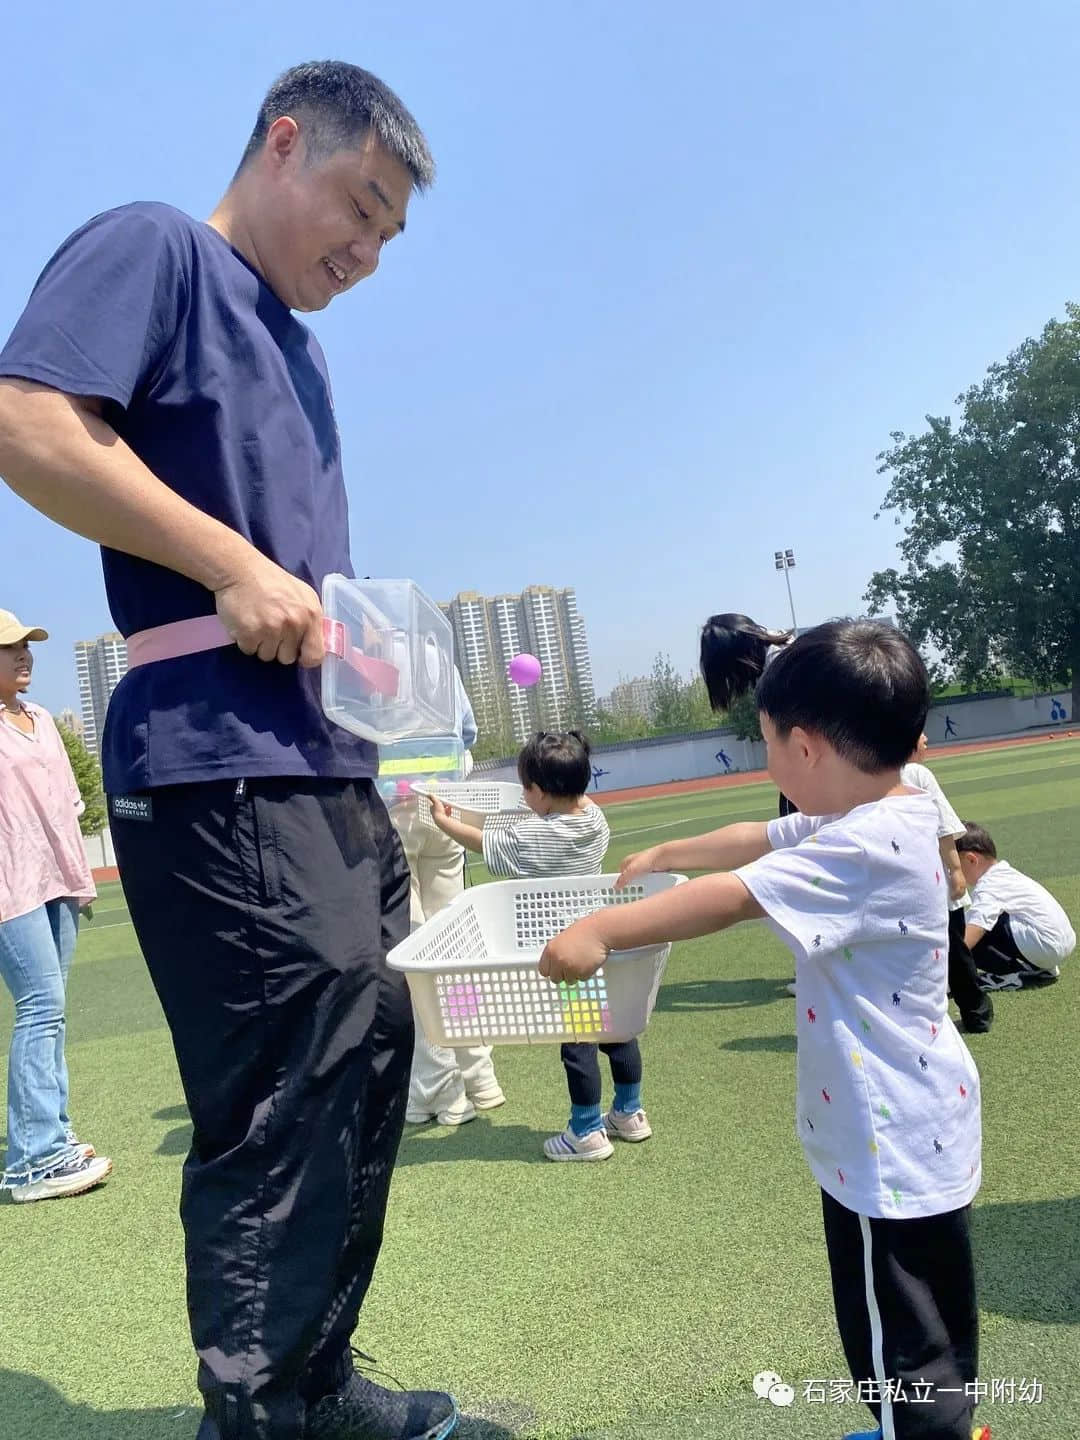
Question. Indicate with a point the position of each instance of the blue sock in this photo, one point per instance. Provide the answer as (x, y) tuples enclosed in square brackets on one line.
[(584, 1119), (628, 1098)]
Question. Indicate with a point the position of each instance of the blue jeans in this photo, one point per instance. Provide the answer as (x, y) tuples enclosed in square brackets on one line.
[(35, 957)]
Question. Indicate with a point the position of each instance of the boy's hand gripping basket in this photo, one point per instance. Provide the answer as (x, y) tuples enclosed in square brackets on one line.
[(473, 801)]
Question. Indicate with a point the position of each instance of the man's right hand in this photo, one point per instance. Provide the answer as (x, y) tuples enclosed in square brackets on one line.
[(642, 862), (271, 614)]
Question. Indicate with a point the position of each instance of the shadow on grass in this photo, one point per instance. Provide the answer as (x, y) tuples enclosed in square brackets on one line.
[(691, 996), (420, 1144), (1027, 1265), (34, 1408), (177, 1141), (478, 1140), (752, 1044)]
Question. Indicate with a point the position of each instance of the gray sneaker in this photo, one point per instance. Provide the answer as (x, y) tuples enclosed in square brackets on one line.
[(630, 1125), (568, 1146)]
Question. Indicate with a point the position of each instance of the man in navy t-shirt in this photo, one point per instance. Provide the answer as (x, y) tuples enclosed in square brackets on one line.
[(160, 396)]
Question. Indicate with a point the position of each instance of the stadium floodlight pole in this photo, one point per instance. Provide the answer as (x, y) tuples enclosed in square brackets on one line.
[(785, 561)]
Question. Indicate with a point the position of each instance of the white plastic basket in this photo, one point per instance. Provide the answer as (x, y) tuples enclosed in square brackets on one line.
[(472, 967), (473, 801)]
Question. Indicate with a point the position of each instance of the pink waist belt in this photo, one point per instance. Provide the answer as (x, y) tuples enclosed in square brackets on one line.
[(206, 632)]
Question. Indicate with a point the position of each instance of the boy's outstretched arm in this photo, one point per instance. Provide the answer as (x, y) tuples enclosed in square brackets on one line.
[(712, 902), (468, 835), (723, 849)]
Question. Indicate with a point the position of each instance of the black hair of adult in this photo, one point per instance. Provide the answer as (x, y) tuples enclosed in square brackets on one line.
[(557, 763), (734, 649), (859, 684), (336, 106), (977, 840)]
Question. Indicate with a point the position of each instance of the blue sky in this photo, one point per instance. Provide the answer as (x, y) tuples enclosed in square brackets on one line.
[(685, 268)]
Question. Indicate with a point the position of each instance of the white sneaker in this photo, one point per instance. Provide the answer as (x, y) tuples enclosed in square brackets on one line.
[(568, 1146), (87, 1152), (459, 1113), (81, 1174), (627, 1125), (489, 1099)]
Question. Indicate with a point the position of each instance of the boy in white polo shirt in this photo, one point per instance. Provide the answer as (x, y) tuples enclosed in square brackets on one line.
[(975, 1006), (1016, 930), (888, 1095)]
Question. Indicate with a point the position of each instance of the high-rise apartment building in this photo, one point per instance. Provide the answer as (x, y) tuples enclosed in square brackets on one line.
[(70, 721), (490, 631), (101, 664)]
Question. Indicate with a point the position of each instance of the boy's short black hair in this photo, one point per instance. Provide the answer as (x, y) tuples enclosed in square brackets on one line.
[(977, 840), (558, 763), (858, 683), (734, 650)]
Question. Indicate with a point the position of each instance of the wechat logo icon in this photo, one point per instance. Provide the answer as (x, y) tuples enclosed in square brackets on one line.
[(768, 1385)]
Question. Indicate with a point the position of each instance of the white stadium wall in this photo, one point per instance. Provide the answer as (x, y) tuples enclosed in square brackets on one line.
[(693, 757)]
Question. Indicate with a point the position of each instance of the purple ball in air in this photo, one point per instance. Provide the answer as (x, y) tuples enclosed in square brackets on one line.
[(524, 670)]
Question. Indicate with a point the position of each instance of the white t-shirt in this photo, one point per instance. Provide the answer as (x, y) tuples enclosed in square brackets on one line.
[(888, 1096), (950, 826), (1039, 925), (546, 845)]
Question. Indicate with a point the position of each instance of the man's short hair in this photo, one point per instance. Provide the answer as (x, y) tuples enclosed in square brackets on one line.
[(859, 684), (336, 105)]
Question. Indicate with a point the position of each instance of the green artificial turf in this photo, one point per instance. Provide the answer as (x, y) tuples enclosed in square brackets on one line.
[(626, 1300)]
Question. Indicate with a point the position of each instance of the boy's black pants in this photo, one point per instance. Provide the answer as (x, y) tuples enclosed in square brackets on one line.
[(904, 1292)]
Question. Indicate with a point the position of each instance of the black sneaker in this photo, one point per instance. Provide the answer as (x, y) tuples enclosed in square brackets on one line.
[(1001, 982), (978, 1022), (362, 1410)]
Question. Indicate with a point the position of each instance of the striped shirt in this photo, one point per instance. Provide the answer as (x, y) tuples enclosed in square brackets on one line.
[(547, 845)]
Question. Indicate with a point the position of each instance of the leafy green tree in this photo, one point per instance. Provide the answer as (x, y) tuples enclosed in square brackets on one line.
[(88, 778), (742, 716), (700, 714), (610, 727), (991, 510), (670, 697)]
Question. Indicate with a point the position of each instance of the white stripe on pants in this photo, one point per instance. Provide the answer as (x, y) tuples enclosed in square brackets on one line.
[(877, 1339)]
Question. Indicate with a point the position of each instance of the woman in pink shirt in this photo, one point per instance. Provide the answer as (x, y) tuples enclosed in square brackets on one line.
[(44, 880)]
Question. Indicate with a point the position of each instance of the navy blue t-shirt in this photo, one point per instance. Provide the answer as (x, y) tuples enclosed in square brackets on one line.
[(224, 395)]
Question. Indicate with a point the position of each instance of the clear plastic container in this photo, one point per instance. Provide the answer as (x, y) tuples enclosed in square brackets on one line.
[(410, 763), (388, 674)]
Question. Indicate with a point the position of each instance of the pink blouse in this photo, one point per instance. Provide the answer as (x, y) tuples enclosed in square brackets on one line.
[(41, 851)]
